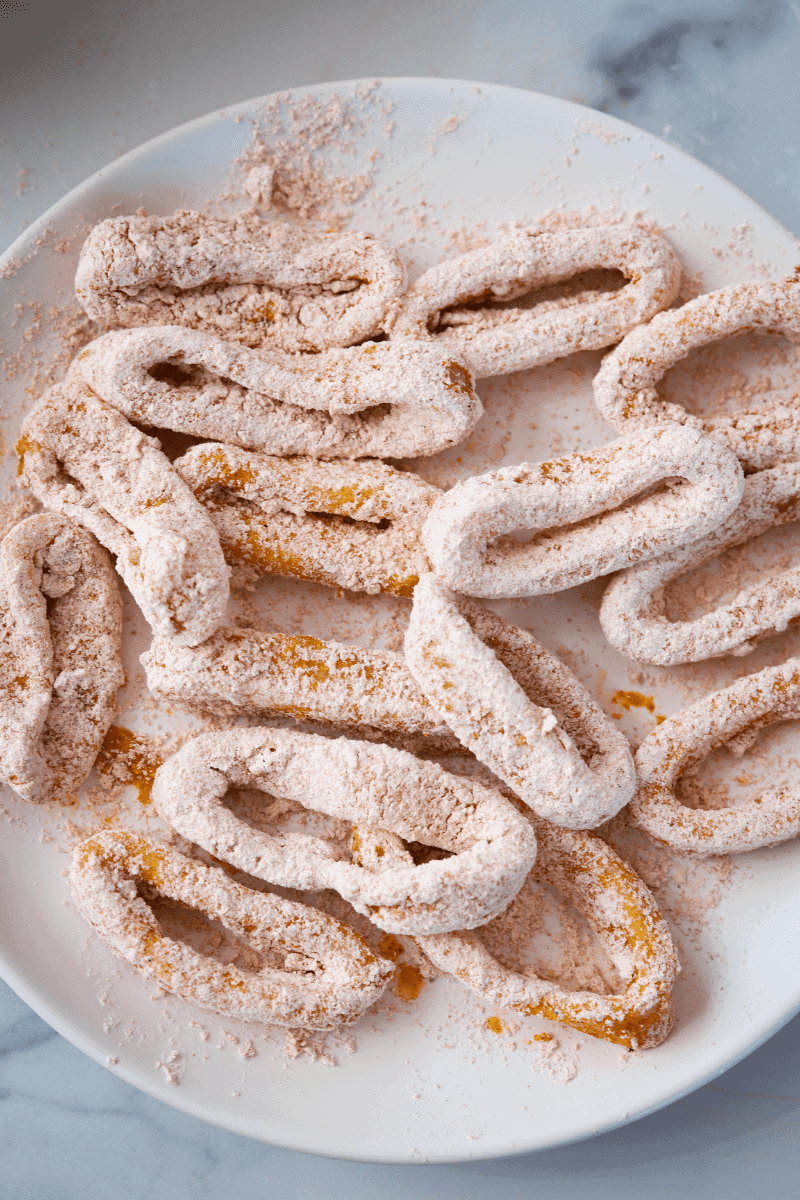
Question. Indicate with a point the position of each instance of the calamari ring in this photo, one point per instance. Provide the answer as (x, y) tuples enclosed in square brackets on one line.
[(625, 385), (60, 655), (402, 400), (566, 504), (246, 671), (82, 458), (284, 517), (492, 341), (492, 846), (732, 717), (632, 613), (267, 285), (497, 687), (339, 976), (628, 925)]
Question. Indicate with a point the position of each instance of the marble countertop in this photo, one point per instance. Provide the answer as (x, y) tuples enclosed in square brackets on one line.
[(81, 83)]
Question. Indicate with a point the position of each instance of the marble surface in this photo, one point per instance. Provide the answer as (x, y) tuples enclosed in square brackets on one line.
[(80, 83)]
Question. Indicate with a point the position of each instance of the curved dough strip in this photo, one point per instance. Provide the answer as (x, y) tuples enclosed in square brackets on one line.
[(82, 458), (60, 655), (339, 977)]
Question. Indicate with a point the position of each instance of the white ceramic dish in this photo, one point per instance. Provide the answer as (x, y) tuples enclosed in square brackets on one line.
[(428, 1081)]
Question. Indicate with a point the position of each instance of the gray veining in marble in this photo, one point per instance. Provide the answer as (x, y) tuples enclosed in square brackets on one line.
[(82, 82)]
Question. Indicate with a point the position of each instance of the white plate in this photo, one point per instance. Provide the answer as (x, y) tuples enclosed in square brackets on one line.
[(428, 1081)]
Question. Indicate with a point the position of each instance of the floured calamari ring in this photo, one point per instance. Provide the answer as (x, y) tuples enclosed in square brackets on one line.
[(625, 385), (354, 525), (732, 717), (246, 671), (60, 655), (584, 512), (492, 847), (402, 400), (82, 458), (628, 925), (632, 613), (443, 303), (518, 709), (329, 977), (267, 285)]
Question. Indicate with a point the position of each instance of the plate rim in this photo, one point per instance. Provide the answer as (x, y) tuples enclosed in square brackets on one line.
[(75, 1037), (22, 245), (175, 131)]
